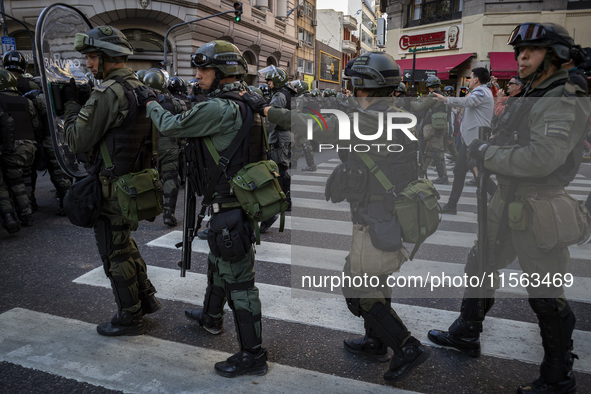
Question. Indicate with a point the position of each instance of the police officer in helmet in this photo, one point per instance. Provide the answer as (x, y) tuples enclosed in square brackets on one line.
[(111, 115), (374, 76), (536, 153), (220, 69)]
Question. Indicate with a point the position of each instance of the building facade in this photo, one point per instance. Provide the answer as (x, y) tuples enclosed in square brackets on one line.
[(263, 35), (451, 37), (305, 24)]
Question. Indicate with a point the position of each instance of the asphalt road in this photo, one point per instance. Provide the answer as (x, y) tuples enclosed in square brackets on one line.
[(53, 293)]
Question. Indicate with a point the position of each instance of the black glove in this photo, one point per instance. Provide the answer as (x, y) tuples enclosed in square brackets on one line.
[(256, 102), (476, 150), (84, 91), (70, 91), (144, 95)]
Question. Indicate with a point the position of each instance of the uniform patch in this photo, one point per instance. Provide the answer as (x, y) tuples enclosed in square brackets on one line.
[(558, 129), (83, 115), (106, 30), (184, 115)]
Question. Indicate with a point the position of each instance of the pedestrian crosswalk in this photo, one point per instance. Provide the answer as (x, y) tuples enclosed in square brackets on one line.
[(71, 348)]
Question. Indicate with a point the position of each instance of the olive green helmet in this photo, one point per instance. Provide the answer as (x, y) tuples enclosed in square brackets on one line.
[(300, 86), (433, 82), (401, 87), (155, 80), (275, 74), (140, 74), (222, 55), (329, 93), (7, 81), (373, 70), (107, 39), (315, 93)]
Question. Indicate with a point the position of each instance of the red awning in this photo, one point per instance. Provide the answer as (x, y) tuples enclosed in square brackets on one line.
[(503, 65), (443, 64)]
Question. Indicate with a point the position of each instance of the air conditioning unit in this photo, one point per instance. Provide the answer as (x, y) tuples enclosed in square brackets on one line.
[(315, 22), (299, 44)]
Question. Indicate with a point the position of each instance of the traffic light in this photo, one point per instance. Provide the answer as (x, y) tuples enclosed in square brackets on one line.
[(237, 11)]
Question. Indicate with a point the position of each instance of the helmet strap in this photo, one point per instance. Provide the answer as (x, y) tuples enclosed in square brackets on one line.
[(101, 69)]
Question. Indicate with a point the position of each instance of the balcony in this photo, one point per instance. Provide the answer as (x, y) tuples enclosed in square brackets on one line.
[(349, 23), (349, 47)]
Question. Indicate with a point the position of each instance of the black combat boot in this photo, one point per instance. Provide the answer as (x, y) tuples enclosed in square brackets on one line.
[(168, 218), (556, 328), (403, 363), (10, 224), (464, 333), (212, 325), (442, 180), (243, 363), (309, 168), (123, 323), (368, 345), (26, 220)]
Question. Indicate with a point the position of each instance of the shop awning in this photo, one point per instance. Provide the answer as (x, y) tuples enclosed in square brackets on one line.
[(503, 65), (442, 64)]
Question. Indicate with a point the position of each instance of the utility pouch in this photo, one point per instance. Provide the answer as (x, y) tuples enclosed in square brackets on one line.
[(257, 188), (230, 235), (418, 212), (383, 226), (139, 195), (82, 202), (517, 216), (365, 258), (439, 120), (346, 184), (558, 221)]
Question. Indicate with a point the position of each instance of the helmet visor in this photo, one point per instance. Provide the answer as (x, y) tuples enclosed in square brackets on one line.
[(527, 32), (269, 72)]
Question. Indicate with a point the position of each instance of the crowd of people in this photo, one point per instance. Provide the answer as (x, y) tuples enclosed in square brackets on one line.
[(485, 128)]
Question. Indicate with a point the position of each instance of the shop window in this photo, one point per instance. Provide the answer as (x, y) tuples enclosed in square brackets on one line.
[(423, 12)]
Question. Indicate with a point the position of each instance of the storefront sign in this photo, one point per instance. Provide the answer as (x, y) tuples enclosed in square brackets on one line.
[(436, 39)]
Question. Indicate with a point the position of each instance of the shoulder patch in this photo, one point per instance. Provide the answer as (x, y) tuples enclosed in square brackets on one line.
[(103, 86), (83, 115), (184, 115)]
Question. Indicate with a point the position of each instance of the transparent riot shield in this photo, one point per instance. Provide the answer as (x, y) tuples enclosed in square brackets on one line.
[(58, 63)]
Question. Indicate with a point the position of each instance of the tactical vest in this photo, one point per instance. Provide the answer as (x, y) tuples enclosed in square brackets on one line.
[(288, 94), (23, 85), (400, 168), (16, 121), (512, 128), (130, 144), (252, 150)]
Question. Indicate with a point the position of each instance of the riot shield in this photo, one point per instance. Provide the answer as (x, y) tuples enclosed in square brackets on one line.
[(58, 62)]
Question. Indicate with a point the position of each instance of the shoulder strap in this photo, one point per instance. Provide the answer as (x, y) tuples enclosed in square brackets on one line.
[(223, 161), (377, 172)]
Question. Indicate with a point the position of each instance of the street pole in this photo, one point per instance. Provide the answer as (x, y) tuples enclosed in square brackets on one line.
[(414, 62), (182, 24), (4, 27)]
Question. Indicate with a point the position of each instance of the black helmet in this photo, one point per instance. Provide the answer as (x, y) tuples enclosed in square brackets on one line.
[(222, 55), (449, 89), (373, 70), (109, 40), (177, 85), (155, 80), (7, 81), (14, 61), (547, 35), (433, 82)]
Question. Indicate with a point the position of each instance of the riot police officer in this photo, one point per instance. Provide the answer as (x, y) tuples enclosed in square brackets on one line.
[(402, 100), (435, 128), (111, 115), (280, 138), (19, 124), (373, 75), (168, 147), (535, 156), (302, 145), (213, 124)]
